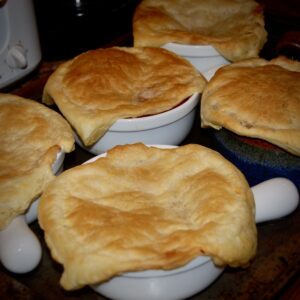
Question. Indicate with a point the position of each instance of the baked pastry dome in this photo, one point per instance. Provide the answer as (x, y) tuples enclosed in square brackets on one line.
[(235, 28), (98, 87), (31, 136), (256, 98), (145, 208)]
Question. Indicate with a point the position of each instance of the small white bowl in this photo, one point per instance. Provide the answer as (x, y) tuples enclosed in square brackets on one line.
[(202, 57), (198, 274), (179, 283), (170, 127), (20, 249)]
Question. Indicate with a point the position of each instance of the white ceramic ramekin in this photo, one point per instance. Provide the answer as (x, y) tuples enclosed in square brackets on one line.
[(202, 57), (170, 128), (178, 283), (20, 249), (274, 199)]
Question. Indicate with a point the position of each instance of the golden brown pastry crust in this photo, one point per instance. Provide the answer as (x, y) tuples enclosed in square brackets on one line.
[(31, 135), (256, 98), (235, 28), (147, 208), (98, 87)]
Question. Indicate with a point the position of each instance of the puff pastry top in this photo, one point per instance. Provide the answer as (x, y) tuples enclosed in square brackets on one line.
[(31, 135), (147, 208), (98, 87), (256, 98), (235, 28)]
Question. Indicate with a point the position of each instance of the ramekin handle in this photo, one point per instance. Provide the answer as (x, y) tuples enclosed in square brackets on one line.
[(20, 249), (275, 198)]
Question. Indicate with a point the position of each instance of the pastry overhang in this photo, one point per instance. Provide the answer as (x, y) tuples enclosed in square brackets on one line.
[(233, 27), (100, 86), (31, 136), (147, 208), (256, 98)]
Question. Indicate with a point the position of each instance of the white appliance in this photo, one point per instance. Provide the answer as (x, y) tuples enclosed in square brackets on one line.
[(20, 51)]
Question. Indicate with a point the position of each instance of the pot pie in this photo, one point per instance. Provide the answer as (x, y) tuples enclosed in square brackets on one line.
[(256, 98), (31, 136), (143, 208), (100, 86), (235, 28)]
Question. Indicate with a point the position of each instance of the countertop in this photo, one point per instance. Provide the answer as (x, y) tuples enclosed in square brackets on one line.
[(273, 274)]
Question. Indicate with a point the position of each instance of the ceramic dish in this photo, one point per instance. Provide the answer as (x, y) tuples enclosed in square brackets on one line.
[(257, 159), (202, 57), (170, 127), (20, 249), (275, 198)]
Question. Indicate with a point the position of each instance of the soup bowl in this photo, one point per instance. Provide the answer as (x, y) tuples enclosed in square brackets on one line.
[(20, 249), (202, 57), (274, 198), (170, 127), (256, 158)]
